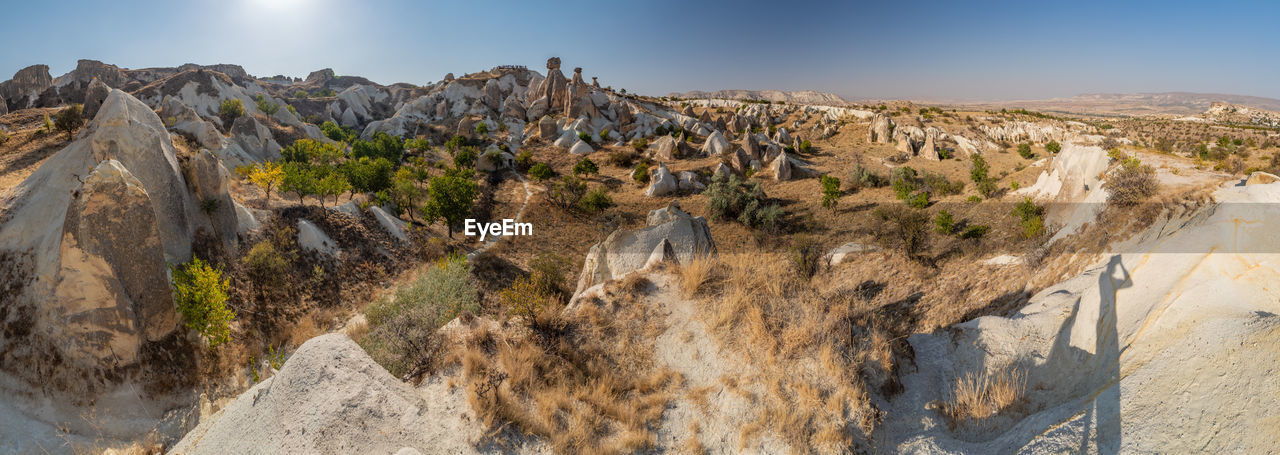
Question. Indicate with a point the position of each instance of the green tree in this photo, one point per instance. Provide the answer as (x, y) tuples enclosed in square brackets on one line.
[(1024, 150), (830, 192), (641, 173), (450, 197), (1053, 147), (69, 119), (368, 175), (309, 152), (595, 201), (465, 157), (266, 106), (381, 145), (231, 109), (328, 183), (338, 133), (944, 223), (297, 180), (405, 190), (540, 171), (200, 293)]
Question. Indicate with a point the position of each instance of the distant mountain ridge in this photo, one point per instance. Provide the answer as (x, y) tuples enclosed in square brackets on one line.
[(1176, 103), (799, 96)]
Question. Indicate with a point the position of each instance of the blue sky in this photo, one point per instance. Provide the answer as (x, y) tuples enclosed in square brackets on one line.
[(883, 49)]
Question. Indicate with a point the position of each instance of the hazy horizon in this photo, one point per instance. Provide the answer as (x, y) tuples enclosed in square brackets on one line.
[(944, 51)]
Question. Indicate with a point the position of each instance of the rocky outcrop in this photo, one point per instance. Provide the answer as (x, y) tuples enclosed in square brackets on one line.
[(625, 251), (93, 98), (881, 130), (663, 149), (929, 149), (180, 117), (25, 88), (312, 238), (208, 179), (715, 145), (581, 148), (662, 182)]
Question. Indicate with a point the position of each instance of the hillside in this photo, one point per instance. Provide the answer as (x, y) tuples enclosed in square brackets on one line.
[(776, 96)]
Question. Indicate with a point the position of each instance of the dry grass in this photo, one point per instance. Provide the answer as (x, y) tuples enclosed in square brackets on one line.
[(695, 273), (977, 397), (585, 382)]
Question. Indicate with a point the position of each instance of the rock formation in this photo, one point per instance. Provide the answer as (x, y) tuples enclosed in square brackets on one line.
[(624, 251), (881, 130)]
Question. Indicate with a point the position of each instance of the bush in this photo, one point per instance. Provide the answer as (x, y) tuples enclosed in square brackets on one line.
[(311, 152), (267, 265), (604, 135), (338, 133), (381, 145), (200, 293), (918, 200), (567, 192), (368, 175), (1030, 218), (230, 110), (806, 255), (585, 167), (938, 185), (728, 197), (944, 223), (540, 171), (903, 181), (1053, 147), (524, 161), (861, 177), (1024, 150), (978, 172), (595, 201), (525, 299), (806, 146), (482, 129), (266, 106), (547, 270), (465, 157), (902, 227), (402, 328), (1132, 183), (974, 232), (622, 159), (640, 144), (300, 94), (973, 199), (4, 137), (69, 119), (830, 192), (641, 174), (586, 137)]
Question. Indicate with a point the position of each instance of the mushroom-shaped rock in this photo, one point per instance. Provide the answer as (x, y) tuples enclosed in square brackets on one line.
[(581, 148), (625, 251), (715, 145), (662, 182)]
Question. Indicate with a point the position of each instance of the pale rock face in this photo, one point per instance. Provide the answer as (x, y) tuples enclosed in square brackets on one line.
[(547, 128), (715, 145), (779, 169), (839, 254), (663, 148), (581, 148), (739, 160), (881, 130), (689, 182), (662, 183), (721, 169), (93, 98), (393, 225), (494, 159), (186, 120), (929, 150), (113, 278), (782, 136), (22, 91), (751, 146), (625, 251), (310, 237), (1261, 178), (209, 179)]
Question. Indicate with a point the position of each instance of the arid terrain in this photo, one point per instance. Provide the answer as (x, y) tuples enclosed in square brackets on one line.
[(194, 259)]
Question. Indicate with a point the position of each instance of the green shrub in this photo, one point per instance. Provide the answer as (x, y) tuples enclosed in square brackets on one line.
[(830, 192), (622, 158), (266, 106), (567, 192), (944, 223), (806, 146), (482, 129), (524, 161), (311, 152), (974, 232), (861, 177), (1030, 218), (604, 135), (1024, 150), (898, 226), (974, 199), (903, 181), (368, 175), (640, 144), (338, 133), (1132, 183), (300, 94), (200, 293), (585, 167), (455, 143), (728, 197), (595, 201), (267, 265), (465, 157), (381, 145), (938, 185), (548, 270), (1053, 147), (402, 328), (586, 137), (918, 200), (4, 137), (231, 109), (540, 171), (641, 174)]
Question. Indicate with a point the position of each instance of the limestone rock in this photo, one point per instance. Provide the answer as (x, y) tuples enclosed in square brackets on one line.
[(310, 237), (207, 177), (624, 251), (881, 131), (663, 253), (1261, 178), (93, 98), (751, 146), (838, 254), (547, 128), (393, 225), (26, 86), (689, 182), (581, 148), (929, 150), (661, 182), (715, 145), (663, 149)]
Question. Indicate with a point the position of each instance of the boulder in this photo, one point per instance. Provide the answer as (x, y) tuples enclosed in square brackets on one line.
[(208, 179), (567, 139), (663, 149), (547, 128), (93, 98), (782, 136), (393, 225), (721, 169), (779, 169), (661, 182), (840, 253), (715, 145), (663, 253), (113, 281), (689, 182), (751, 146), (581, 148), (625, 251), (881, 130)]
